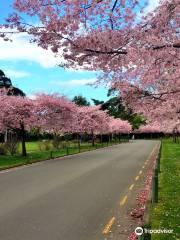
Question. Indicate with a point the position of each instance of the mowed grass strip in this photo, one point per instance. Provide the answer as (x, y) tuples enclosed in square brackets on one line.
[(166, 214), (35, 155)]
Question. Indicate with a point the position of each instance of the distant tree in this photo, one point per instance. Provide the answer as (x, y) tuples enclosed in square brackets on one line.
[(97, 102), (1, 73), (91, 120), (5, 83), (80, 101), (115, 108), (137, 120)]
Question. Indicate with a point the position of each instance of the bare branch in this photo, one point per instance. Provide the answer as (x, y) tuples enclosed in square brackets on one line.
[(123, 52), (115, 3), (175, 45)]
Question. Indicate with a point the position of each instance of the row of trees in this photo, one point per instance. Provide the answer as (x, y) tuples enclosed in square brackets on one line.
[(56, 115), (115, 107), (156, 127)]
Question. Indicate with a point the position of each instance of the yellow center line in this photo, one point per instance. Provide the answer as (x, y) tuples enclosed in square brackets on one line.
[(140, 172), (150, 155), (136, 178), (123, 201), (152, 152), (108, 226), (131, 187)]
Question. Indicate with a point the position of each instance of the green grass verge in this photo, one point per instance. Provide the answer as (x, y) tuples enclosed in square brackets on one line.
[(166, 214), (35, 155)]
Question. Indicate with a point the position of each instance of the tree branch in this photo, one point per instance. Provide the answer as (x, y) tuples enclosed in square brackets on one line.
[(115, 3), (175, 45), (158, 96), (123, 52)]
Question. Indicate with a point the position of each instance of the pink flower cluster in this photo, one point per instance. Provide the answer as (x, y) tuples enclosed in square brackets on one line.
[(133, 236), (142, 196)]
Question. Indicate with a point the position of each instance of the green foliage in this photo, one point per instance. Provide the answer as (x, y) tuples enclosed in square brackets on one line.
[(45, 145), (56, 142), (12, 146), (97, 102), (34, 133), (11, 90), (115, 108), (136, 120), (3, 150), (81, 101), (1, 73), (165, 214), (31, 146)]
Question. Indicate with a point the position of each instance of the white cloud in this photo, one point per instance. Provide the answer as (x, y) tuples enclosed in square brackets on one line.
[(22, 49), (79, 70), (152, 5), (31, 96), (74, 83), (15, 73), (149, 8)]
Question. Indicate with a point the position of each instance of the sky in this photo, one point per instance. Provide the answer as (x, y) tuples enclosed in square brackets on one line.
[(33, 69)]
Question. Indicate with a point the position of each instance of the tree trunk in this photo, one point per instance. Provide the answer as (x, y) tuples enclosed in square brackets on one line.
[(101, 139), (23, 140), (109, 138), (79, 144), (119, 136), (6, 136), (93, 142)]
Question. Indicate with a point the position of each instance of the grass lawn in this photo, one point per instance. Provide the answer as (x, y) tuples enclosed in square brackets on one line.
[(166, 214), (35, 155)]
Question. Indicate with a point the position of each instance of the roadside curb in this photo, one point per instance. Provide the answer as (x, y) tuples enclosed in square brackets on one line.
[(152, 197)]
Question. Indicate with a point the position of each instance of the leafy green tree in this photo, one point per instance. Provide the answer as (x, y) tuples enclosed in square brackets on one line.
[(137, 121), (81, 101), (7, 84), (115, 108)]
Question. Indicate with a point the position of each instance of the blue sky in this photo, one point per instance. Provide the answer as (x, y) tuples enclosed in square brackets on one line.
[(35, 70)]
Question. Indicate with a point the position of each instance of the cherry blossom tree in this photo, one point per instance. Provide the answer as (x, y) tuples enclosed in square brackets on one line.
[(118, 126), (91, 120), (94, 121), (17, 114), (162, 125), (56, 114), (150, 128), (163, 116)]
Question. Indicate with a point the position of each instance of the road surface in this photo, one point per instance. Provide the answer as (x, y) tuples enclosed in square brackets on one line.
[(70, 198)]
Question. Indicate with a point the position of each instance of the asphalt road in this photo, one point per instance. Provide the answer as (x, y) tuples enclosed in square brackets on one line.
[(71, 198)]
